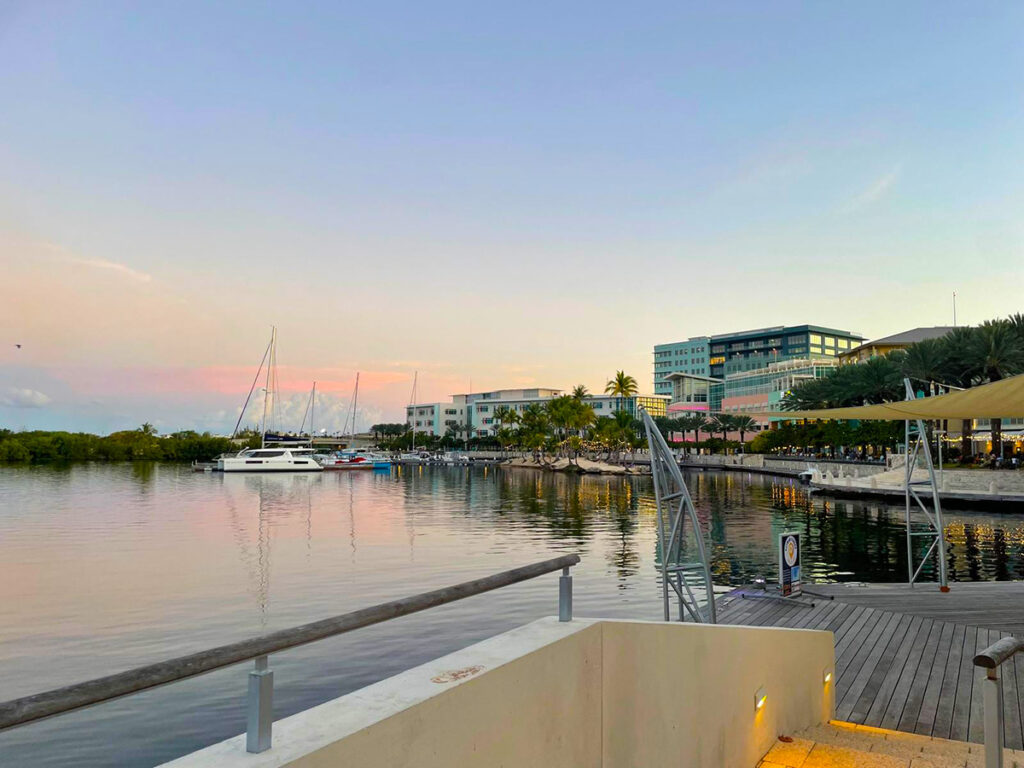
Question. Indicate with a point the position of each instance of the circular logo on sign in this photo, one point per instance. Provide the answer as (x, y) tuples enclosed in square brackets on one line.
[(790, 550)]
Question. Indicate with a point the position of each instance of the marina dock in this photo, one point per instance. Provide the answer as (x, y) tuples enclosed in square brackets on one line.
[(904, 655)]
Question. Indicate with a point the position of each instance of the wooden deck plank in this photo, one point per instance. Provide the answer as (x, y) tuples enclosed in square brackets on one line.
[(1011, 706), (841, 625), (855, 636), (849, 665), (824, 620), (960, 726), (914, 665), (947, 695), (858, 673), (1018, 670), (896, 658), (975, 730), (928, 706), (989, 604), (876, 665)]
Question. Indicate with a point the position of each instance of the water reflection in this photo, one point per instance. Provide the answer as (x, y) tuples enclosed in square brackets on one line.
[(111, 566)]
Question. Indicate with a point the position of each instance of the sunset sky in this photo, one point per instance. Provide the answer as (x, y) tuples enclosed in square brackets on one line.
[(491, 195)]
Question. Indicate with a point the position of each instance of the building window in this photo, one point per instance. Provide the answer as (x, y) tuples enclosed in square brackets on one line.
[(829, 341), (815, 339)]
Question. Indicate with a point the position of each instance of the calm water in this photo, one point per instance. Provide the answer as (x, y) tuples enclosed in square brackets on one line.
[(108, 567)]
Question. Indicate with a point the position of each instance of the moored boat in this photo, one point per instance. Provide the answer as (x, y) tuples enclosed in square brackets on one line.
[(276, 459), (353, 459)]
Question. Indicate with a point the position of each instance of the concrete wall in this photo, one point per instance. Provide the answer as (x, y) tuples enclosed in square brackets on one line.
[(586, 694), (683, 694)]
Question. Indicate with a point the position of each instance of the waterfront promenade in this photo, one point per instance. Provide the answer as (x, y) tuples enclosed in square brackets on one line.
[(904, 656)]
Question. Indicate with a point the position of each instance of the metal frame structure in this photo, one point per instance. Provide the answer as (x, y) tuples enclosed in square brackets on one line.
[(934, 528), (675, 507)]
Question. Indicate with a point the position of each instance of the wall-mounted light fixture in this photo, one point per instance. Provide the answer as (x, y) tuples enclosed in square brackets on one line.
[(759, 699), (826, 676)]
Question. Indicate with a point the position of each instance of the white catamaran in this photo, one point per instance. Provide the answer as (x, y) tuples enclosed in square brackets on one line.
[(284, 454)]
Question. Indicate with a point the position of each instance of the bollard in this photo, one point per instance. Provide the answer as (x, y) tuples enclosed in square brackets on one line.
[(565, 596), (260, 708)]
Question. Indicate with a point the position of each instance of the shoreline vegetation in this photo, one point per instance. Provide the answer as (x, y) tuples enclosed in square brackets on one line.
[(142, 444)]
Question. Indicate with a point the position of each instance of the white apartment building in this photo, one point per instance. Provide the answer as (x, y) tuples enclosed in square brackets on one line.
[(473, 413)]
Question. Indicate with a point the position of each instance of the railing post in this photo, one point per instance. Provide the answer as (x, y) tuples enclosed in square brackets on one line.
[(565, 595), (260, 708), (993, 717)]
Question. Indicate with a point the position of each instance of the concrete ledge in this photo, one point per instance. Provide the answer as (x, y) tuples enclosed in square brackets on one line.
[(590, 693)]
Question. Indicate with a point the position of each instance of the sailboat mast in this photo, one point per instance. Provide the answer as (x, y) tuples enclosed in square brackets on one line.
[(266, 389), (355, 406), (312, 413), (412, 402)]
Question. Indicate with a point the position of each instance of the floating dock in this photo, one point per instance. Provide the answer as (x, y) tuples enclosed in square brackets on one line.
[(904, 656)]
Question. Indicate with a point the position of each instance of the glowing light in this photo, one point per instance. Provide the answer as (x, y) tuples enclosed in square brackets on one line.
[(827, 676), (759, 699)]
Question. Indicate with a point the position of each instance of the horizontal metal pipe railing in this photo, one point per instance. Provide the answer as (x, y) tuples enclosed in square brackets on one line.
[(61, 700)]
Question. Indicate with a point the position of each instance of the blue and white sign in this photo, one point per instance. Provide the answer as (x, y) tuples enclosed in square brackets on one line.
[(789, 563)]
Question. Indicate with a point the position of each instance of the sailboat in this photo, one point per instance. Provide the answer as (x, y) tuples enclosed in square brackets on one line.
[(277, 453), (353, 458)]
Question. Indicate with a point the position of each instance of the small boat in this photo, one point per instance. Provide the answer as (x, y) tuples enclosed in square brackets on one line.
[(276, 459), (806, 476), (454, 458), (418, 457), (353, 459)]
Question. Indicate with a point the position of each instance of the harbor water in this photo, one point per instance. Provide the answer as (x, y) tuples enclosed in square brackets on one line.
[(106, 567)]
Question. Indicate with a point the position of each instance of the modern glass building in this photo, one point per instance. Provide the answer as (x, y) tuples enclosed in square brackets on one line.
[(727, 354)]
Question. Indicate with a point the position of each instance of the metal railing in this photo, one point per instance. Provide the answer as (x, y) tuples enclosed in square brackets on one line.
[(992, 703), (259, 719)]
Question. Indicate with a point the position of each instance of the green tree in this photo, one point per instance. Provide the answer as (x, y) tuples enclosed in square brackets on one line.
[(743, 424), (998, 352), (579, 392), (621, 386)]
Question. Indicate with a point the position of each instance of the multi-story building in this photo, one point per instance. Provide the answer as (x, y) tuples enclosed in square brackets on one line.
[(690, 357), (728, 353), (750, 393), (472, 415)]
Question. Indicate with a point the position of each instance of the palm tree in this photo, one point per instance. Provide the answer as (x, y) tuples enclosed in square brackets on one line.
[(743, 424), (695, 423), (579, 392), (998, 352), (723, 423), (621, 386)]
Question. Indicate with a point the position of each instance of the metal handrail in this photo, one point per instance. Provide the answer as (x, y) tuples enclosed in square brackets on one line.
[(990, 660), (72, 697)]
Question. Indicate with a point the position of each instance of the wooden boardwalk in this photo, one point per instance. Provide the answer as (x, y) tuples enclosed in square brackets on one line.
[(906, 670), (990, 604)]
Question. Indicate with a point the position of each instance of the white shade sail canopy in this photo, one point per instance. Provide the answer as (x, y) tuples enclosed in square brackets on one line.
[(998, 400)]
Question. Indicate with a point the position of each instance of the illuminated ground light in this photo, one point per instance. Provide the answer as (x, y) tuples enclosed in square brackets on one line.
[(759, 699), (827, 675)]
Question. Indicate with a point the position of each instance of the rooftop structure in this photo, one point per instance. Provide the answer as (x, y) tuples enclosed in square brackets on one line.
[(887, 344)]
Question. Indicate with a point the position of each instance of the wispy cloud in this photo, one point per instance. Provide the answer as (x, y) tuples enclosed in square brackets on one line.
[(114, 266), (15, 397), (876, 191)]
